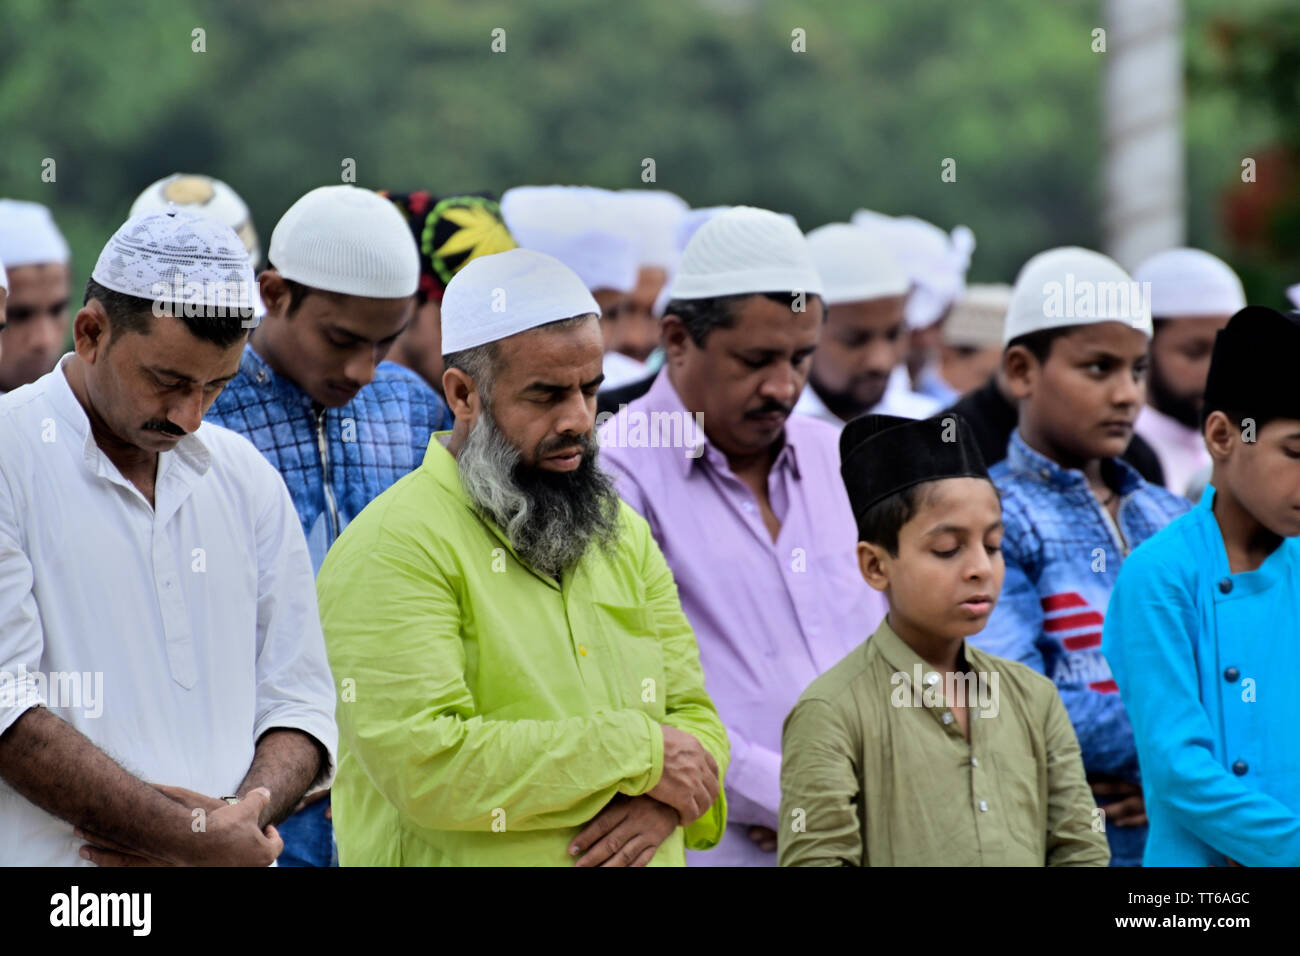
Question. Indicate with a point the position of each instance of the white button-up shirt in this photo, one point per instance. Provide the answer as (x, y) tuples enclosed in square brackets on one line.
[(172, 636)]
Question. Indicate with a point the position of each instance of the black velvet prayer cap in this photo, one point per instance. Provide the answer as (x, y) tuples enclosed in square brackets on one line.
[(883, 454), (1254, 366)]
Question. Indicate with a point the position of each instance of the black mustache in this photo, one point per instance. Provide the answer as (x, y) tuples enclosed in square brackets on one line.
[(166, 427), (768, 408)]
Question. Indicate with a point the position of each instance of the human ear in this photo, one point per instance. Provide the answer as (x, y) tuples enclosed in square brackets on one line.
[(1019, 368), (874, 564)]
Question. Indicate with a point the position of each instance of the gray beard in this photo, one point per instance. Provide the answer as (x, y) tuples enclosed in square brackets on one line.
[(549, 518)]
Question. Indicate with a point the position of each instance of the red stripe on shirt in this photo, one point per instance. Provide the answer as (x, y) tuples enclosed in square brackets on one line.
[(1058, 602), (1104, 687), (1080, 641), (1070, 621)]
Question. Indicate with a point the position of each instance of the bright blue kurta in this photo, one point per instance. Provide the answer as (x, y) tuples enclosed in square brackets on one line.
[(1206, 663)]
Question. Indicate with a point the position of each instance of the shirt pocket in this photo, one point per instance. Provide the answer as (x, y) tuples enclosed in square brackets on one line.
[(1022, 801), (636, 668)]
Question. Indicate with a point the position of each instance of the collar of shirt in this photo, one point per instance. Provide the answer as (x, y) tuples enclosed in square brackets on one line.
[(906, 661), (190, 453), (1025, 461), (662, 397), (263, 376)]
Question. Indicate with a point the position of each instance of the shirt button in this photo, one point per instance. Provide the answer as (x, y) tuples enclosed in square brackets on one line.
[(749, 506), (1231, 675), (947, 717), (984, 806), (1225, 585), (1045, 473), (1240, 768), (582, 649), (974, 761)]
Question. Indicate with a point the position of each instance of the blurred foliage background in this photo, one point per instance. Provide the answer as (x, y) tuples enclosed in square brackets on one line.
[(586, 90)]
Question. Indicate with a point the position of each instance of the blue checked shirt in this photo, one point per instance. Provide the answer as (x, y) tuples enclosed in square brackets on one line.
[(1063, 554), (333, 460)]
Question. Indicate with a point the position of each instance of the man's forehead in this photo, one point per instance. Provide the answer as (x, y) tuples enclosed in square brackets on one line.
[(1109, 337)]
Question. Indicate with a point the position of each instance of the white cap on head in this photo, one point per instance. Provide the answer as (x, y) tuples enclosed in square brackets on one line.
[(28, 235), (934, 260), (651, 216), (976, 320), (348, 240), (854, 265), (1190, 282), (1074, 286), (205, 196), (580, 226), (743, 251), (178, 257), (497, 296)]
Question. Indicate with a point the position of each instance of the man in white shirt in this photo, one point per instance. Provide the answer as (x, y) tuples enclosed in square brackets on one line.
[(161, 656), (859, 366)]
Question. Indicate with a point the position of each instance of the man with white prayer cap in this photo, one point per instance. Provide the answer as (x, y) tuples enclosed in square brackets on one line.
[(156, 558), (315, 395), (652, 216), (1193, 295), (858, 367), (581, 226), (39, 288), (936, 262), (772, 589), (972, 337), (524, 687)]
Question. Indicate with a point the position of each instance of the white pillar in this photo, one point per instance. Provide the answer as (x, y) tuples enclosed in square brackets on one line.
[(1143, 116)]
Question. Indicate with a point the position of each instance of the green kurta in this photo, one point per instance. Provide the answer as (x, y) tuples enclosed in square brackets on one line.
[(487, 712), (876, 772)]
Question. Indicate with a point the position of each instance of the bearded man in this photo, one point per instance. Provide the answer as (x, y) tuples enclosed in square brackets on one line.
[(518, 683)]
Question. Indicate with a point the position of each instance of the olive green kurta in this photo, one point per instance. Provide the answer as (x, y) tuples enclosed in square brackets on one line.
[(875, 772)]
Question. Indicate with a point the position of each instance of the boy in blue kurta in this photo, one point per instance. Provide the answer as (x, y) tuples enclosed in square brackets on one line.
[(1203, 633)]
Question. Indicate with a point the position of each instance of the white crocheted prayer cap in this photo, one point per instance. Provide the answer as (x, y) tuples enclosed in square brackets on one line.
[(28, 235), (497, 296), (1188, 282), (177, 257), (742, 251), (579, 225), (1073, 286), (854, 265), (935, 261), (207, 197), (348, 240)]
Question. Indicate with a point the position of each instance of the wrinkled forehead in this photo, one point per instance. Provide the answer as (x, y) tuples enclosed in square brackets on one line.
[(558, 354)]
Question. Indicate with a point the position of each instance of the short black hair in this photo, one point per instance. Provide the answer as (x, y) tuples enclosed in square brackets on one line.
[(1039, 343), (883, 520), (702, 316), (129, 313), (298, 292)]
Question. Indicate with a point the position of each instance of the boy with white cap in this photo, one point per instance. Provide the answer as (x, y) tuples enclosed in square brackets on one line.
[(1077, 334), (772, 589), (1193, 294), (313, 392), (859, 366), (527, 689), (39, 288), (158, 557)]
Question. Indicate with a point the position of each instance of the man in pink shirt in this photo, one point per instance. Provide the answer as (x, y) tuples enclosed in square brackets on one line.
[(745, 500)]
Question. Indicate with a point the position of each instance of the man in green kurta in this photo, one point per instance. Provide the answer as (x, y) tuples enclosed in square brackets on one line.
[(918, 749), (518, 684)]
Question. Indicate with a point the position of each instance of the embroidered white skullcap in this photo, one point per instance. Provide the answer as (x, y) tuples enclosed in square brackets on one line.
[(976, 320), (579, 225), (1073, 286), (742, 251), (1188, 282), (854, 264), (934, 260), (207, 197), (177, 257), (652, 215), (28, 235), (349, 240), (497, 296)]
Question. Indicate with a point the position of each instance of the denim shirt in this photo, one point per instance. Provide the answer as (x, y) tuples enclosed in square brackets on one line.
[(333, 460), (1063, 554)]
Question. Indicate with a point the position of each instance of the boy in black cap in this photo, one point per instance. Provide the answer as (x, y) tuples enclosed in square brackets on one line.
[(918, 748), (1203, 630)]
